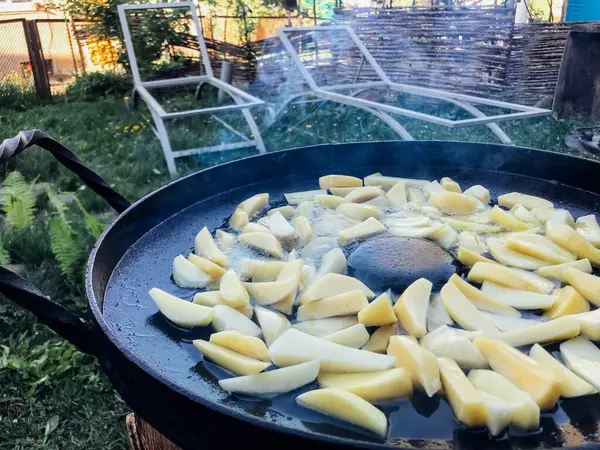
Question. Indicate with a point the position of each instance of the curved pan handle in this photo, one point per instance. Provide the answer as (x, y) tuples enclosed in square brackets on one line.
[(78, 330)]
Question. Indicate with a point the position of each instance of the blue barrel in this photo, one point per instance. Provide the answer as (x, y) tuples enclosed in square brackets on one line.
[(583, 10)]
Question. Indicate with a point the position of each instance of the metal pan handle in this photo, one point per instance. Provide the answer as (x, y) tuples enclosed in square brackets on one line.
[(77, 329)]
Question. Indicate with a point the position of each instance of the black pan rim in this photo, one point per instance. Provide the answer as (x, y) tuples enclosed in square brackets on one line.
[(263, 423)]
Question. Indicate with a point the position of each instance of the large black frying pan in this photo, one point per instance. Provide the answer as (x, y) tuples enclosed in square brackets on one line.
[(164, 379)]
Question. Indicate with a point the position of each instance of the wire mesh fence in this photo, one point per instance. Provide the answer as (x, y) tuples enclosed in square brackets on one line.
[(15, 65)]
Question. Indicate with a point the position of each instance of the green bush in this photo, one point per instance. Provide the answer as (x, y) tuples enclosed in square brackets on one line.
[(98, 85), (17, 96)]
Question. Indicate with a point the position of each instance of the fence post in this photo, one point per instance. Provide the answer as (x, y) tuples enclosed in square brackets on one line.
[(36, 58)]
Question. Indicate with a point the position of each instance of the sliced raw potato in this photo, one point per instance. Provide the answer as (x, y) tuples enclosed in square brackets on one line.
[(480, 193), (363, 194), (436, 314), (415, 195), (269, 292), (572, 385), (528, 201), (467, 404), (518, 298), (475, 227), (333, 181), (562, 216), (420, 364), (379, 312), (571, 240), (286, 211), (470, 241), (369, 227), (499, 413), (280, 227), (590, 324), (337, 305), (358, 211), (453, 203), (446, 342), (292, 272), (411, 307), (236, 363), (274, 382), (295, 198), (450, 185), (254, 204), (264, 242), (587, 226), (239, 219), (292, 256), (463, 312), (232, 290), (569, 302), (481, 300), (397, 195), (417, 232), (559, 329), (205, 245), (180, 312), (294, 347), (342, 192), (330, 201), (446, 237), (323, 327), (345, 406), (526, 414), (208, 267), (433, 187), (509, 323), (333, 261), (355, 336), (380, 202), (373, 386), (386, 182), (407, 222), (305, 209), (333, 284), (583, 358), (259, 270), (226, 318), (507, 220), (272, 324), (246, 345), (186, 274), (501, 253), (431, 211), (469, 257), (586, 284), (557, 272), (225, 240), (524, 215), (213, 298), (542, 215), (540, 247), (305, 230), (509, 277), (254, 227), (379, 340), (525, 373)]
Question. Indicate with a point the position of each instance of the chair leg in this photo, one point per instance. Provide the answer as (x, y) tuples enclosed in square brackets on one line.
[(260, 145), (161, 132)]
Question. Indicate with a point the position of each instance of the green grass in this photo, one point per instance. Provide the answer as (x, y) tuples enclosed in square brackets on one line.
[(54, 397)]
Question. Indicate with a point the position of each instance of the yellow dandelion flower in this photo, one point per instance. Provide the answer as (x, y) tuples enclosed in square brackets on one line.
[(135, 128)]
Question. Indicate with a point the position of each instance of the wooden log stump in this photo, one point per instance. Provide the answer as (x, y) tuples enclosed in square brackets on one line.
[(143, 437)]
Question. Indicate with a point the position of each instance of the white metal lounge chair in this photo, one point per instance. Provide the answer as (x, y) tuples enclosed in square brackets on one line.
[(243, 100), (383, 111)]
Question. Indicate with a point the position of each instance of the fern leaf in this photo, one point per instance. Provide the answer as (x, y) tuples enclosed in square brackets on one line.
[(65, 246), (14, 185), (17, 200), (4, 256), (58, 205), (94, 226)]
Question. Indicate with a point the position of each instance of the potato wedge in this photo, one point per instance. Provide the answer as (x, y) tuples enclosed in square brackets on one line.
[(481, 300), (470, 241), (557, 272), (569, 302), (446, 237), (590, 324), (246, 345), (263, 242), (358, 211), (540, 247), (507, 220), (411, 307), (379, 312), (518, 298), (274, 382), (583, 358), (181, 312), (450, 185), (186, 274), (363, 194), (528, 201), (294, 347), (480, 193), (333, 181), (453, 203), (463, 312), (446, 342), (379, 340), (333, 284), (225, 240), (526, 415), (397, 195), (407, 222), (337, 305), (254, 227), (213, 298), (355, 336), (280, 227), (304, 229), (343, 192), (323, 327), (226, 318), (305, 209), (572, 385), (380, 202), (432, 187), (239, 219), (260, 270), (292, 272), (269, 292), (232, 290), (373, 386), (475, 227), (369, 227), (295, 198), (571, 240), (419, 363), (562, 216), (417, 232), (333, 261), (509, 323), (499, 413), (559, 329), (586, 284), (208, 267), (501, 253), (330, 201), (436, 314), (272, 324), (287, 211), (387, 183), (524, 215), (415, 195), (345, 406), (542, 215), (525, 373), (254, 204), (506, 276), (236, 363), (587, 226), (469, 258)]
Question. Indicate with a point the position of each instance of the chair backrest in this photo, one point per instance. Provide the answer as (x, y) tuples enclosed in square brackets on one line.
[(345, 55), (197, 29)]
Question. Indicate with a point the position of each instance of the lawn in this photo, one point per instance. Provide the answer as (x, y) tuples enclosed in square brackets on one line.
[(54, 397)]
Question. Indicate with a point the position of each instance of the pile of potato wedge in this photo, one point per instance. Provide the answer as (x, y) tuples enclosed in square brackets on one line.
[(530, 282)]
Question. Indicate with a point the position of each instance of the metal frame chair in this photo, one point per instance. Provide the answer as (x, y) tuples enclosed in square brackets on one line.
[(383, 111), (243, 101)]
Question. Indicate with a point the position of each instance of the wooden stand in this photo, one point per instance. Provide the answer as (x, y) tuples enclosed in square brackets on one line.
[(143, 437)]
